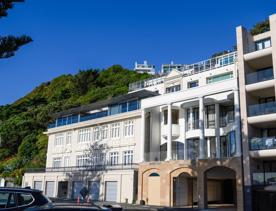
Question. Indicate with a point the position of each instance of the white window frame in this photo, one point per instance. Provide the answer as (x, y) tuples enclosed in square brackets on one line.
[(129, 128), (128, 157), (96, 134), (57, 162), (104, 132), (84, 135), (69, 138), (59, 139), (113, 158), (115, 130), (82, 160), (66, 161)]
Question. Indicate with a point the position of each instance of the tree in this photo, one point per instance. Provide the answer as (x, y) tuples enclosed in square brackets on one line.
[(9, 44), (260, 27)]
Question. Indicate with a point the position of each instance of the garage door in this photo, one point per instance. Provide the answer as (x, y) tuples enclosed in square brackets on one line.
[(49, 191), (77, 186), (110, 191), (94, 190)]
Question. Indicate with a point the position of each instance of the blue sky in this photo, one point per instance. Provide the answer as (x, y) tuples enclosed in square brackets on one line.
[(70, 35)]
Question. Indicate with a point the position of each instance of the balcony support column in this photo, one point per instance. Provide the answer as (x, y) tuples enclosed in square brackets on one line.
[(169, 135), (202, 144), (142, 146), (237, 123), (190, 125), (217, 131), (184, 135)]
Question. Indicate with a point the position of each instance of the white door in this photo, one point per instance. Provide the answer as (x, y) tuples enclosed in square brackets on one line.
[(111, 191), (94, 190), (50, 186)]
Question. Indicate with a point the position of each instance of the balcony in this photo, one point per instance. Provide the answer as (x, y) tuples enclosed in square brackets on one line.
[(259, 76), (175, 130), (103, 167), (264, 178), (262, 109), (262, 147)]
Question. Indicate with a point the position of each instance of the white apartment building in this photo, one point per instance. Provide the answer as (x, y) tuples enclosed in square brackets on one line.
[(190, 137), (93, 146), (167, 68), (144, 68)]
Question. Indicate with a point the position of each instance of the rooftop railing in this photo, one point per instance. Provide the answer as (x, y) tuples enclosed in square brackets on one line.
[(189, 70)]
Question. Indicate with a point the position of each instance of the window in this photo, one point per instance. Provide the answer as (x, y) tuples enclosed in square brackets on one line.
[(104, 132), (38, 185), (175, 88), (227, 115), (114, 158), (82, 160), (98, 158), (115, 130), (96, 133), (128, 157), (7, 200), (59, 138), (57, 162), (133, 105), (228, 145), (84, 135), (66, 161), (129, 128), (68, 138), (218, 78), (192, 84), (210, 114), (175, 116), (24, 199), (262, 44)]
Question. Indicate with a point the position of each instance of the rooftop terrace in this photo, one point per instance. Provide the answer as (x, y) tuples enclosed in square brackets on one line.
[(188, 70)]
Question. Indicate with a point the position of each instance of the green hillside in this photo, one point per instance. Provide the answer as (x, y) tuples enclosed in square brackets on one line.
[(22, 123)]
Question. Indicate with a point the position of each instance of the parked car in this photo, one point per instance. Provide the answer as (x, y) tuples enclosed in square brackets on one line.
[(18, 199), (68, 208)]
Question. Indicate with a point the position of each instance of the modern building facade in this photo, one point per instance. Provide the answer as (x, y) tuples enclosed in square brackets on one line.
[(256, 65), (190, 137), (93, 146), (167, 68)]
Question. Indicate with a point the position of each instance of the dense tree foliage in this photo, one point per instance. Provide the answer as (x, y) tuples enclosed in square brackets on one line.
[(260, 27), (9, 44), (23, 145)]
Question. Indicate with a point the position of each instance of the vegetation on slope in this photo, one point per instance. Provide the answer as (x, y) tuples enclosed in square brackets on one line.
[(23, 144)]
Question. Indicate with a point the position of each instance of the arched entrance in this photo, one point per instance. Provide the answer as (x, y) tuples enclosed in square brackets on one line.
[(184, 190), (221, 187), (153, 189)]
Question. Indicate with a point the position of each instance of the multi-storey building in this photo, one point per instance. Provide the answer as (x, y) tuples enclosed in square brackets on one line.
[(167, 68), (145, 68), (190, 137), (256, 65), (93, 146)]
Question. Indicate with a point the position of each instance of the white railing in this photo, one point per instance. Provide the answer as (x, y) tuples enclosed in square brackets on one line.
[(206, 65)]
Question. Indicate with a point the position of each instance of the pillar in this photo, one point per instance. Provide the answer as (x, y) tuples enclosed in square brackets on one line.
[(202, 151), (169, 133), (217, 131), (142, 146), (237, 122)]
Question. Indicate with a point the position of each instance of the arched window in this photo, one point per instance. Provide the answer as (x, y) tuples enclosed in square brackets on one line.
[(154, 174)]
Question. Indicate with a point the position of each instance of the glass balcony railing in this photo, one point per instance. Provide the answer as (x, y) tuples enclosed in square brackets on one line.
[(259, 76), (262, 109), (262, 143), (264, 178)]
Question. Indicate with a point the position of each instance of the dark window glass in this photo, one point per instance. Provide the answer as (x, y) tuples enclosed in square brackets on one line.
[(192, 84), (24, 199), (124, 107), (7, 200), (133, 105)]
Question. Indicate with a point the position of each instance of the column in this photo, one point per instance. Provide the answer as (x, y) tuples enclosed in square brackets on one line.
[(237, 122), (202, 150), (185, 125), (169, 132), (217, 131), (142, 146), (190, 119), (208, 147)]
